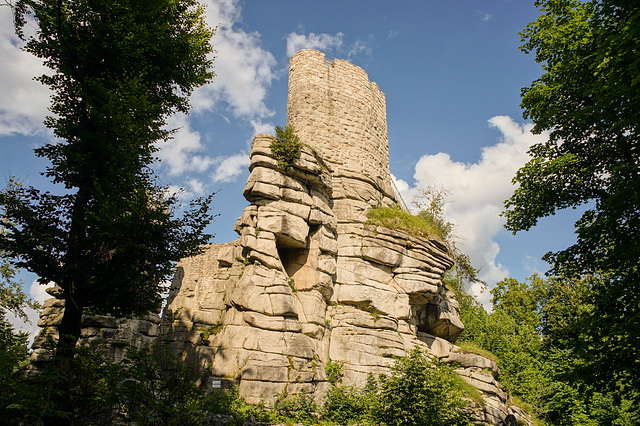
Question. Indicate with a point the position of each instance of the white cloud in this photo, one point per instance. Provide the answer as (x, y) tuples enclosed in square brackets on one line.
[(24, 102), (180, 153), (229, 168), (38, 292), (244, 70), (484, 17), (357, 47), (324, 42), (196, 186), (244, 73), (477, 191)]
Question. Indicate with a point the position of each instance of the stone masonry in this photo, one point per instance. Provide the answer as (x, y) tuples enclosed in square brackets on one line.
[(310, 280)]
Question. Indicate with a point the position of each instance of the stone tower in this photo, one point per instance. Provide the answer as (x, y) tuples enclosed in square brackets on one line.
[(336, 109)]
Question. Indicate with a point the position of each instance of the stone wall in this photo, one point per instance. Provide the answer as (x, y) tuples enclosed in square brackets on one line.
[(113, 336)]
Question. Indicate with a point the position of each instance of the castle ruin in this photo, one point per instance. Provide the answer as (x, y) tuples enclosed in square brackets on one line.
[(309, 281)]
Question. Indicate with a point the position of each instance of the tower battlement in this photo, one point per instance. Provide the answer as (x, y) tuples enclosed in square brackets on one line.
[(335, 109)]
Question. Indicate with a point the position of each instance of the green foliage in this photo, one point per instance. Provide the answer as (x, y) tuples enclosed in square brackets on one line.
[(286, 147), (334, 373), (213, 330), (418, 392), (299, 408), (588, 101), (472, 348), (229, 402), (430, 203), (510, 333), (117, 71), (14, 353), (396, 218), (292, 284), (12, 298), (144, 388), (540, 331), (347, 405), (467, 389)]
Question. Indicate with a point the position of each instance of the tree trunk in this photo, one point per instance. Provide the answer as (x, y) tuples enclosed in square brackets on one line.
[(69, 332), (69, 328)]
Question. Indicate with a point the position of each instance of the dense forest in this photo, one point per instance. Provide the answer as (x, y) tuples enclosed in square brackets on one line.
[(567, 344)]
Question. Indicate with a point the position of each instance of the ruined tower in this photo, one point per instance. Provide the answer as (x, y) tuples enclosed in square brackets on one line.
[(340, 113)]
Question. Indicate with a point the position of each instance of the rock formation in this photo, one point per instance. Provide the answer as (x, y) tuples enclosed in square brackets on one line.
[(310, 280)]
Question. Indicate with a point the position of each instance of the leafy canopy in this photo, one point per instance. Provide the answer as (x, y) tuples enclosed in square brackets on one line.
[(588, 99), (118, 71)]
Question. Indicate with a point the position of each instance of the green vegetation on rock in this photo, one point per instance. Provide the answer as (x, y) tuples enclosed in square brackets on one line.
[(286, 147), (396, 218)]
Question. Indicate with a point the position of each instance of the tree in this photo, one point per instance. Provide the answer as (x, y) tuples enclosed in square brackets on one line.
[(430, 202), (588, 99), (12, 298), (13, 345), (419, 392), (118, 71)]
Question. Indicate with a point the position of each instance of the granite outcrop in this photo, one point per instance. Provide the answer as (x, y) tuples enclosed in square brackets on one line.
[(310, 279)]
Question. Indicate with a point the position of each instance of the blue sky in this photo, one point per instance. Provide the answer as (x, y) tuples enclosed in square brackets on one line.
[(451, 72)]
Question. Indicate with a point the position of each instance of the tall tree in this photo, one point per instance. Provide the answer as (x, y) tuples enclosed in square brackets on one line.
[(588, 99), (119, 69)]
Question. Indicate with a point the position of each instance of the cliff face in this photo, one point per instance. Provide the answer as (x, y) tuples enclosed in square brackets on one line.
[(300, 288), (309, 280)]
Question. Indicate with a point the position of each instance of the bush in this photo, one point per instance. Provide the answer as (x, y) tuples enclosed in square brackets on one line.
[(347, 405), (419, 392), (298, 408), (144, 388), (286, 147)]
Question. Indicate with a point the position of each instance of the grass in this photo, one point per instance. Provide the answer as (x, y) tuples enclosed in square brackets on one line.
[(472, 348), (467, 389), (529, 409), (396, 218)]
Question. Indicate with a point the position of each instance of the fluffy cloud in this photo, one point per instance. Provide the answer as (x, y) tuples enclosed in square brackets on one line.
[(181, 154), (297, 41), (229, 168), (24, 102), (477, 191), (244, 70), (39, 294)]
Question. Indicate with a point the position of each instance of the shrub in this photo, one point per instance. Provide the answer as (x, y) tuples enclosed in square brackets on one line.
[(298, 408), (286, 147), (144, 388), (419, 393), (333, 370), (345, 405)]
